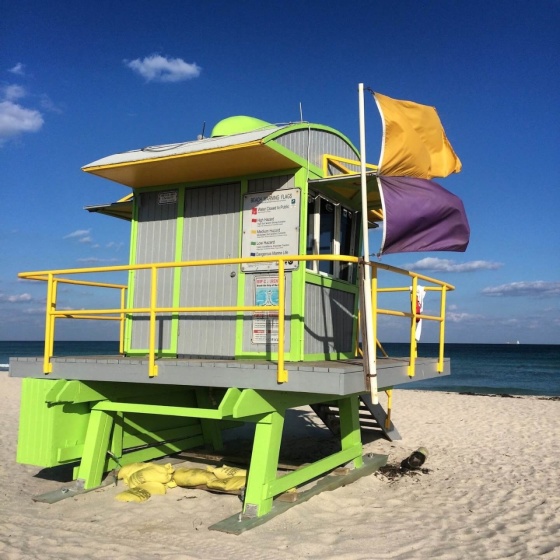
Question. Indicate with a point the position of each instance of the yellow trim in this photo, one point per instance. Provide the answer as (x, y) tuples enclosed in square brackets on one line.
[(337, 162), (95, 168)]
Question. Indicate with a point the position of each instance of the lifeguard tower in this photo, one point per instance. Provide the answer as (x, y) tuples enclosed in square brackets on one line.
[(241, 300)]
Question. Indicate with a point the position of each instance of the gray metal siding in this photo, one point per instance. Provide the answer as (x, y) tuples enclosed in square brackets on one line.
[(314, 144), (266, 184), (156, 238), (211, 231), (329, 319)]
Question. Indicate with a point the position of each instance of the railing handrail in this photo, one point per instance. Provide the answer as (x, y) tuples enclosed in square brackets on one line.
[(52, 278)]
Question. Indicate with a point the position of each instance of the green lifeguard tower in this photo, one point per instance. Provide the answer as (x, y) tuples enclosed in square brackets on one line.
[(241, 300)]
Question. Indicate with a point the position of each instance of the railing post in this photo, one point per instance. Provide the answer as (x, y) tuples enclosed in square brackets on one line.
[(374, 305), (282, 375), (442, 329), (122, 322), (49, 324), (152, 368), (413, 345)]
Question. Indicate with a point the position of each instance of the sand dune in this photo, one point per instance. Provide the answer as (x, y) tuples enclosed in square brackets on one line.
[(492, 491)]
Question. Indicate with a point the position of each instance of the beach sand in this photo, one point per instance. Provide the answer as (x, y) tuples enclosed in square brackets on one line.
[(492, 491)]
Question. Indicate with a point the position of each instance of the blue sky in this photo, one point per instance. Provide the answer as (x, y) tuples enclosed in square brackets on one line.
[(85, 80)]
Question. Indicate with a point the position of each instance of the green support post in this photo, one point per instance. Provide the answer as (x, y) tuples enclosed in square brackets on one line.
[(264, 464), (350, 435), (96, 444)]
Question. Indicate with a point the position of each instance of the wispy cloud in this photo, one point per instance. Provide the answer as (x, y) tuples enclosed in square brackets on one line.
[(447, 265), (48, 104), (157, 68), (16, 298), (455, 317), (18, 69), (96, 260), (82, 235), (114, 245), (537, 288), (13, 91)]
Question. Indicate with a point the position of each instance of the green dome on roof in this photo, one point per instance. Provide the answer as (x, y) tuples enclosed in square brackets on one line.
[(237, 125)]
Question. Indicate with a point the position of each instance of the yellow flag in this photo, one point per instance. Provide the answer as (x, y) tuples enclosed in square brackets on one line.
[(414, 142)]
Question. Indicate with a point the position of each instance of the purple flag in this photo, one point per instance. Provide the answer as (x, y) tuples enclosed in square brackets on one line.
[(420, 215)]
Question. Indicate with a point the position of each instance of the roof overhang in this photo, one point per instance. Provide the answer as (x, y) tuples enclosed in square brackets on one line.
[(201, 160), (348, 188), (121, 209)]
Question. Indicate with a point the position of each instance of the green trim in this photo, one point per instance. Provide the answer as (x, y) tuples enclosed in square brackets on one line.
[(301, 161), (297, 326), (131, 275)]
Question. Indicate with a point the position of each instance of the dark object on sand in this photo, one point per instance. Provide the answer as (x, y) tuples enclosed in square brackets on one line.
[(415, 460)]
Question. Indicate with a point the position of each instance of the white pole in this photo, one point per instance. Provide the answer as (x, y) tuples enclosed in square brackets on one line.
[(366, 288)]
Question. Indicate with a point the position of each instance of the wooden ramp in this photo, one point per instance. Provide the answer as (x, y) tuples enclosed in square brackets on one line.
[(373, 417)]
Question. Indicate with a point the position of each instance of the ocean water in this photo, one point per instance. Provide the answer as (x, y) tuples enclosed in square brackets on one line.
[(516, 369)]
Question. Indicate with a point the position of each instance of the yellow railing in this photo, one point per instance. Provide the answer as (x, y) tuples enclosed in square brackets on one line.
[(437, 286), (52, 278)]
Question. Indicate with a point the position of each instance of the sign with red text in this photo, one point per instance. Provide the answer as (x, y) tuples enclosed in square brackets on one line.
[(270, 228)]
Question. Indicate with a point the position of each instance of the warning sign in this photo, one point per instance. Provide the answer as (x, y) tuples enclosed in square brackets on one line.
[(265, 323), (271, 227)]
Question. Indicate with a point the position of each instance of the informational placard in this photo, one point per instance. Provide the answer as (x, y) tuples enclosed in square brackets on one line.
[(270, 228), (167, 197), (265, 323)]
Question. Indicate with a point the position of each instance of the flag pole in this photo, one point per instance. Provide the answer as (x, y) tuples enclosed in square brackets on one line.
[(370, 354)]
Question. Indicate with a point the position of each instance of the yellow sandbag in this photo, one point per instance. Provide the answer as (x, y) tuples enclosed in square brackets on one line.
[(154, 488), (127, 470), (227, 472), (228, 484), (133, 495), (188, 478), (171, 484), (151, 473)]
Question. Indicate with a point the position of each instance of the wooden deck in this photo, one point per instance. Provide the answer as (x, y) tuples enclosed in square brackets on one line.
[(341, 377)]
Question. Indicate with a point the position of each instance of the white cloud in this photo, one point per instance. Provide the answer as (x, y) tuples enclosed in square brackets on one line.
[(537, 288), (453, 317), (95, 260), (13, 92), (16, 298), (158, 68), (447, 265), (15, 119), (18, 69), (78, 233)]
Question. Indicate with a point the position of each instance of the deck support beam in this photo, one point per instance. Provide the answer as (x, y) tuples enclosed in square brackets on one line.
[(267, 409)]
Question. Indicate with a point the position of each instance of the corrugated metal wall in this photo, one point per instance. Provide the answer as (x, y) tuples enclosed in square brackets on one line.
[(211, 231), (156, 234), (266, 184), (329, 318), (315, 143)]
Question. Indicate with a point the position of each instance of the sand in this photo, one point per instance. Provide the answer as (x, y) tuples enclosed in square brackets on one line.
[(492, 491)]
